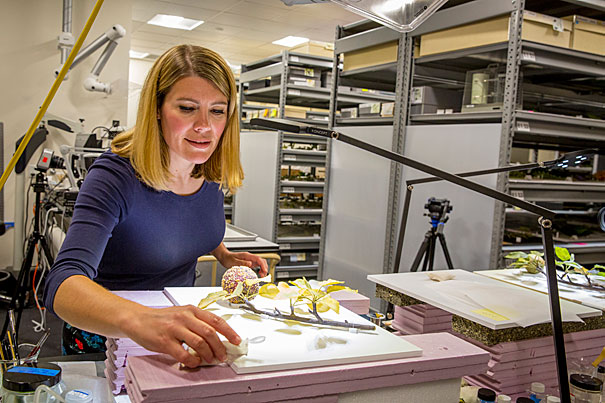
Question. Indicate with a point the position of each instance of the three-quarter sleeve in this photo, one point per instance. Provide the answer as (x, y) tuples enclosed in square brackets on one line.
[(101, 204)]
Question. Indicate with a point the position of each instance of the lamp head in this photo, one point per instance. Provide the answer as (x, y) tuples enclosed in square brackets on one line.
[(571, 159), (400, 15)]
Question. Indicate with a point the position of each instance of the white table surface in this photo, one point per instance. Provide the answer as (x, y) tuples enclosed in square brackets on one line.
[(537, 282), (475, 297)]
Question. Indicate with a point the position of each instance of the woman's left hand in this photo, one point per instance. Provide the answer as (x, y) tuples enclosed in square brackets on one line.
[(247, 259)]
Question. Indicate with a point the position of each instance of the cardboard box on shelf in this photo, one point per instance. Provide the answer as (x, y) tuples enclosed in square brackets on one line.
[(369, 109), (297, 80), (305, 72), (315, 48), (370, 56), (537, 27), (587, 35), (295, 111), (387, 108), (427, 99), (349, 112), (305, 83)]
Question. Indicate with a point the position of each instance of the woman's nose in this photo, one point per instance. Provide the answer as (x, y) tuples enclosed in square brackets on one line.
[(201, 122)]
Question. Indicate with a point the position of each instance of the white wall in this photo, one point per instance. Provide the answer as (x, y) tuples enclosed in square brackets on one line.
[(138, 70), (29, 54)]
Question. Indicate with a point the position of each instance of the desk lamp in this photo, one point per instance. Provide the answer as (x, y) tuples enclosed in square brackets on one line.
[(400, 15), (573, 158), (545, 221)]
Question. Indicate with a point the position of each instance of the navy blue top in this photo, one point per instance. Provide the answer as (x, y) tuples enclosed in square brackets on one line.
[(126, 236)]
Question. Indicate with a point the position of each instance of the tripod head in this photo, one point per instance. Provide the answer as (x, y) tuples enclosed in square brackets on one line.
[(438, 210)]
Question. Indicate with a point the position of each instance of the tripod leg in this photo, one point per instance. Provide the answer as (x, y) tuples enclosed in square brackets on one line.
[(421, 251), (18, 297), (46, 249), (432, 252), (446, 252)]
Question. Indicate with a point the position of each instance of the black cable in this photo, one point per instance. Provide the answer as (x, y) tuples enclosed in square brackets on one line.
[(26, 231), (107, 131)]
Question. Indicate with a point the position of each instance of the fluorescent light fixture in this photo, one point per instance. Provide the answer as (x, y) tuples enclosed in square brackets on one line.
[(174, 21), (400, 15), (290, 41), (133, 54)]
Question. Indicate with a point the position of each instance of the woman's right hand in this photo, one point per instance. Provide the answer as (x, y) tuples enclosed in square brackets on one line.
[(164, 330)]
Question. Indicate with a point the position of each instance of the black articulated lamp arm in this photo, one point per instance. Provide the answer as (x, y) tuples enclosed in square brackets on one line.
[(546, 217)]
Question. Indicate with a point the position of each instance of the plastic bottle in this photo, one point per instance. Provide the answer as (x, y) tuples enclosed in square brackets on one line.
[(503, 399), (536, 392), (485, 395), (79, 396)]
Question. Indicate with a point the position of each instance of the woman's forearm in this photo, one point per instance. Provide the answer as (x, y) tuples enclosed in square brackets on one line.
[(87, 305), (83, 303)]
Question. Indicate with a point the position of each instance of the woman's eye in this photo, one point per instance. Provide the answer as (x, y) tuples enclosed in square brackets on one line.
[(218, 111), (186, 108)]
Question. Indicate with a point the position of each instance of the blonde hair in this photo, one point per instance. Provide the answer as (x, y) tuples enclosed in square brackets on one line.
[(144, 144)]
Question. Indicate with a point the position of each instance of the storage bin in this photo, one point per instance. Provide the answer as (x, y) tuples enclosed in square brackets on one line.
[(537, 27), (587, 35), (370, 56), (315, 48)]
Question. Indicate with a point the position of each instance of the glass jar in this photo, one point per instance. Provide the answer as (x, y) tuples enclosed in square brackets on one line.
[(485, 395), (601, 376), (19, 383), (585, 388)]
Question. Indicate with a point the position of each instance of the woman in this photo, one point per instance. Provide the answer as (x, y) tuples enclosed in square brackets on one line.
[(149, 208)]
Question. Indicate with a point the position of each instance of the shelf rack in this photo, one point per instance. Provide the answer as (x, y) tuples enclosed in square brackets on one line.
[(284, 149), (549, 129)]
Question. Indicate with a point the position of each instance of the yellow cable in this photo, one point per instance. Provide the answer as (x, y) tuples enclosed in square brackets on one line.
[(600, 358), (51, 93), (12, 346)]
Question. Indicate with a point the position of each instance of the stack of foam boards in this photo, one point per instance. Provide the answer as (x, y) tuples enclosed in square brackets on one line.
[(354, 302), (118, 350), (436, 373), (515, 365), (421, 318)]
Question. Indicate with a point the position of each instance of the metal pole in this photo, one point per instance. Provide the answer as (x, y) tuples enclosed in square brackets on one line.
[(555, 308), (66, 27)]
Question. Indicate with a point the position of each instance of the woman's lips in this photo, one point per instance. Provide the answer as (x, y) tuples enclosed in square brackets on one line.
[(202, 144)]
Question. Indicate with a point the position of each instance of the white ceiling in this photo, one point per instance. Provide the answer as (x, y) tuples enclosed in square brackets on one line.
[(240, 30)]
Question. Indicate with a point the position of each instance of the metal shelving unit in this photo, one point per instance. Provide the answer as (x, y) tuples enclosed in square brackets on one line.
[(293, 152), (558, 191), (549, 66), (550, 123)]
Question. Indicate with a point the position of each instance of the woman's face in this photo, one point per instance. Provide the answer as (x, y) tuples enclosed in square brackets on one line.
[(193, 118)]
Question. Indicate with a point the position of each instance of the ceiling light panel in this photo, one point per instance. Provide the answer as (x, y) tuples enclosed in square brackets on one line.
[(290, 41), (174, 21)]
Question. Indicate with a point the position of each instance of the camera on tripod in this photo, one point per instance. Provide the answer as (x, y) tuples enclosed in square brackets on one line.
[(49, 160), (437, 208)]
